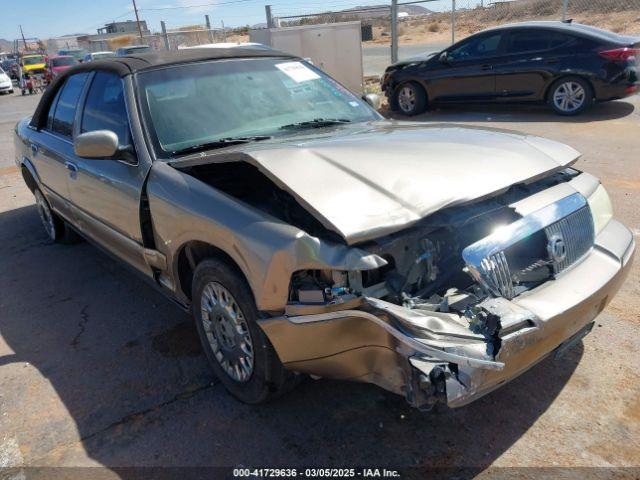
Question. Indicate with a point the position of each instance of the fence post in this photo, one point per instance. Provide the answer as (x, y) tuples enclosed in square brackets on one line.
[(394, 31), (209, 32), (565, 6), (164, 34), (267, 9), (453, 21)]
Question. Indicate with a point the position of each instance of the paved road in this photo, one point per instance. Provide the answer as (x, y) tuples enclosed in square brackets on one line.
[(13, 107), (97, 369), (376, 58)]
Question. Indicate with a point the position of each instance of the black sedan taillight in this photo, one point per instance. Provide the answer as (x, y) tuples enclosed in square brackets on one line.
[(624, 54)]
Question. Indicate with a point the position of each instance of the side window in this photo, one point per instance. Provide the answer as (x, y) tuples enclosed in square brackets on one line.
[(528, 41), (52, 110), (67, 102), (105, 108), (481, 47)]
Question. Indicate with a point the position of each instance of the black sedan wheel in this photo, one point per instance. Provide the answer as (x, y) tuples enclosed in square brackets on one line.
[(570, 96), (411, 99)]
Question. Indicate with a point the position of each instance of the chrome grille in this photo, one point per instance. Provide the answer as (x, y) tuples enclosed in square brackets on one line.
[(497, 269), (568, 228), (578, 234)]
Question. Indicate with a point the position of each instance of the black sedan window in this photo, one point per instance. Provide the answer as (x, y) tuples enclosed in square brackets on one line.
[(481, 47), (66, 107), (534, 40)]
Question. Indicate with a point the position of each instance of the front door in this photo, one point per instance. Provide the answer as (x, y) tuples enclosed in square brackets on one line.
[(106, 194), (466, 74)]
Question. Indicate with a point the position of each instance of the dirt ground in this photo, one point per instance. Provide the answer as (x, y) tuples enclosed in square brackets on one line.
[(99, 370), (436, 28)]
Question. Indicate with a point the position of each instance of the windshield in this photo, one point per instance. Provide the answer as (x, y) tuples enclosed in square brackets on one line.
[(63, 62), (193, 104), (33, 60), (136, 50)]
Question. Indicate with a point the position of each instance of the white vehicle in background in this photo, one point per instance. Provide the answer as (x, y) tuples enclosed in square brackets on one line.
[(253, 45), (6, 85), (89, 57)]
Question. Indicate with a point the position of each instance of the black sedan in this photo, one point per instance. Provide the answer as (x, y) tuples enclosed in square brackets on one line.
[(567, 65)]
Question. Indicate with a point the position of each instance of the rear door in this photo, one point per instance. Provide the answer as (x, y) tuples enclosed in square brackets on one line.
[(52, 146), (532, 57), (106, 193), (468, 74)]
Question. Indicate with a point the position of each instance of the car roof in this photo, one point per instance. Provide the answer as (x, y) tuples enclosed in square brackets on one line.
[(137, 62), (566, 27)]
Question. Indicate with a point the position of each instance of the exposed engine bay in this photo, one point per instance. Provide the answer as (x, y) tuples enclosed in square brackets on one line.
[(425, 270), (425, 322)]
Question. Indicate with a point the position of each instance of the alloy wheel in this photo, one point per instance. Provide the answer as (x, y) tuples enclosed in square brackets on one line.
[(407, 99), (569, 96), (227, 332)]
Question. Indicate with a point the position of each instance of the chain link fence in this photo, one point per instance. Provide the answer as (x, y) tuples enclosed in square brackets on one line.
[(468, 16)]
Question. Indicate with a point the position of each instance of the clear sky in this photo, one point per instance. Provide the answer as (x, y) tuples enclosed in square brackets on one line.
[(47, 18)]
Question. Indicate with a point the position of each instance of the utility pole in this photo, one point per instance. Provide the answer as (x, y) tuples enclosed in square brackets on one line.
[(565, 5), (164, 35), (209, 32), (453, 22), (224, 32), (135, 9), (267, 9), (23, 40), (394, 31)]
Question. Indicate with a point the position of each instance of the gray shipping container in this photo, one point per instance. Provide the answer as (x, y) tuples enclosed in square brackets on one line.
[(336, 48)]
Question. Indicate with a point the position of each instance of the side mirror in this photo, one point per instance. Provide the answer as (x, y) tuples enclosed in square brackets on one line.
[(98, 144), (444, 58), (373, 99)]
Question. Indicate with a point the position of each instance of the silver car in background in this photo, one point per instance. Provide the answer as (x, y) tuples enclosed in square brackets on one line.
[(308, 235)]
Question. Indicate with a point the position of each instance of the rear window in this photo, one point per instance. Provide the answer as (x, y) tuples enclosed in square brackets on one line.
[(65, 109), (63, 62)]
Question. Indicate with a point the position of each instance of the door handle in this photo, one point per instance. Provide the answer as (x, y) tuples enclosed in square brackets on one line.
[(486, 66), (34, 149), (72, 167)]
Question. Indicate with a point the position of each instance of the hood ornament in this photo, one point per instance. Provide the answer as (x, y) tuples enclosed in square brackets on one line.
[(557, 248)]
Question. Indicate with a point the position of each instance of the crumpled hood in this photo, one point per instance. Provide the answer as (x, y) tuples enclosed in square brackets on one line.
[(364, 181)]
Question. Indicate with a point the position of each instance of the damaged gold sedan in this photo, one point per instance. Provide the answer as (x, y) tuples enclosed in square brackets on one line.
[(308, 235)]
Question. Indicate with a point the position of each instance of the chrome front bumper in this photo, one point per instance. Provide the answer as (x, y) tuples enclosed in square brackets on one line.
[(401, 349)]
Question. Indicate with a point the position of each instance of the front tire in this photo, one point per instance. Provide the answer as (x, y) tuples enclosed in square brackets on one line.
[(237, 349), (570, 96), (56, 229), (411, 99)]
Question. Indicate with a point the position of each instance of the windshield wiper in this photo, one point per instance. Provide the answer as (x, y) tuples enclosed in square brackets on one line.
[(220, 143), (315, 123)]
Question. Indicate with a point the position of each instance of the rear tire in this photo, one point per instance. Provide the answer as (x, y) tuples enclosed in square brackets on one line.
[(237, 349), (55, 227), (570, 96), (410, 99)]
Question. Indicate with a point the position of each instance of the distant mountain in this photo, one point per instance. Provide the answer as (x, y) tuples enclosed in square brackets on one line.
[(5, 45), (382, 10)]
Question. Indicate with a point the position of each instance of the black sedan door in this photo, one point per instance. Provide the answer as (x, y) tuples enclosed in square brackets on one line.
[(531, 60), (465, 72)]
